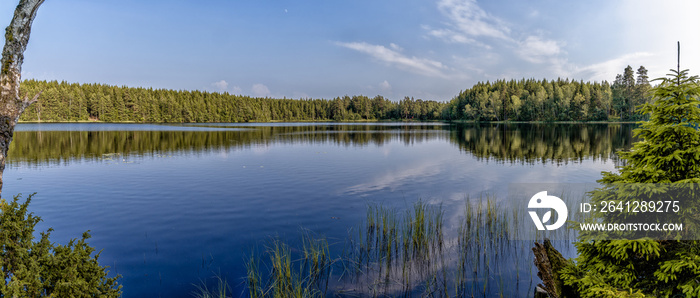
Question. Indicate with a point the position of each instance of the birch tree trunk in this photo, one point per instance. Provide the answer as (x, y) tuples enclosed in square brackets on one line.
[(11, 103)]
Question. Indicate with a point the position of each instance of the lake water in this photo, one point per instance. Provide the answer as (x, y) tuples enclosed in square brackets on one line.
[(172, 206)]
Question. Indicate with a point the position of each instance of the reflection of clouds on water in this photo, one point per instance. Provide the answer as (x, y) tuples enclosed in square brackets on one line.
[(260, 149), (386, 150), (571, 173), (394, 179), (453, 206)]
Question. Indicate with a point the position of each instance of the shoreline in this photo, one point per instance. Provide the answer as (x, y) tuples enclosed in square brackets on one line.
[(354, 121)]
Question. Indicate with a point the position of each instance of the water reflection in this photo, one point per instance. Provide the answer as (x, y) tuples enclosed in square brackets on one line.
[(245, 183), (543, 143), (515, 143)]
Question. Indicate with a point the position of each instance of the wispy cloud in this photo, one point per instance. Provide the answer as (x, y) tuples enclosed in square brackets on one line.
[(392, 57), (450, 36), (607, 70), (260, 90), (395, 179), (220, 85), (536, 49), (396, 47), (467, 21), (470, 24), (471, 20), (236, 90), (534, 14), (385, 86)]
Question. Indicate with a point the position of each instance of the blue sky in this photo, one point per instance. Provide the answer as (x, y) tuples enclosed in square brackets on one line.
[(328, 48)]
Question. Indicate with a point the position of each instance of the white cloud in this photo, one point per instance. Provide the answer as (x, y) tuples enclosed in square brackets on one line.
[(451, 36), (470, 24), (537, 50), (468, 21), (220, 85), (606, 71), (414, 64), (260, 90), (385, 86), (397, 178), (236, 90), (534, 14), (395, 47), (470, 63)]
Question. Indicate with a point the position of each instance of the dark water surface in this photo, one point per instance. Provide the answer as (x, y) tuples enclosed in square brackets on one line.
[(172, 206)]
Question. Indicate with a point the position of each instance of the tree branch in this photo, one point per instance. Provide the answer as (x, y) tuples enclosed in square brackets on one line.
[(26, 102)]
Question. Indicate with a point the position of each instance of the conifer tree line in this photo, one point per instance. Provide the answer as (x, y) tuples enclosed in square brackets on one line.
[(555, 100), (523, 100), (61, 101)]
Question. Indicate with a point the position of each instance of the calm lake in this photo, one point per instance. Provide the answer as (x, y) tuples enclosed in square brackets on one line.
[(174, 206)]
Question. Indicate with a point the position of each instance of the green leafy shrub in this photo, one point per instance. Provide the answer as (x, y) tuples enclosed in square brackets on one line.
[(40, 268)]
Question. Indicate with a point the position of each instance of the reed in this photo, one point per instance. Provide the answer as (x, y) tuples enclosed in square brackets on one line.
[(221, 291), (317, 263), (306, 277), (405, 254), (253, 279)]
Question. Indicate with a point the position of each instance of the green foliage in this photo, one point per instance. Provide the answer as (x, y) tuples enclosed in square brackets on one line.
[(669, 152), (555, 100), (532, 100), (91, 102), (40, 268), (523, 100)]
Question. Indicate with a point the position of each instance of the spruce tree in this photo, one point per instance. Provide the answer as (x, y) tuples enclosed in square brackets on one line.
[(669, 152)]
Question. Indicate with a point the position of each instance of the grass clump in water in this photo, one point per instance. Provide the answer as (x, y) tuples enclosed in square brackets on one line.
[(307, 276), (405, 254), (222, 290)]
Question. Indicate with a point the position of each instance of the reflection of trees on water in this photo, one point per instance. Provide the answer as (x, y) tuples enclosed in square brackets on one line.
[(34, 147), (514, 143), (542, 143)]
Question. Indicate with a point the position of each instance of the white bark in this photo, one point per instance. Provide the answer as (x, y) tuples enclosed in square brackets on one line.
[(11, 104)]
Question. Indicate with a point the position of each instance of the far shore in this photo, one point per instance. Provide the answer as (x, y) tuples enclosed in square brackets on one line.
[(359, 121)]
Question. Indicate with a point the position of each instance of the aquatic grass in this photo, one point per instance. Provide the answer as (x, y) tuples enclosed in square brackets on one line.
[(307, 276), (396, 251), (317, 263), (407, 253), (253, 282), (484, 247), (221, 291)]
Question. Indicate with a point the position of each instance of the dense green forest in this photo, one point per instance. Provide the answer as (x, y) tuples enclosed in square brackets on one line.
[(523, 100), (61, 101), (555, 100)]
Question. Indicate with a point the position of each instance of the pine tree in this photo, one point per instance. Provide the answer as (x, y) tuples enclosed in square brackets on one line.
[(669, 152), (643, 86), (642, 76)]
